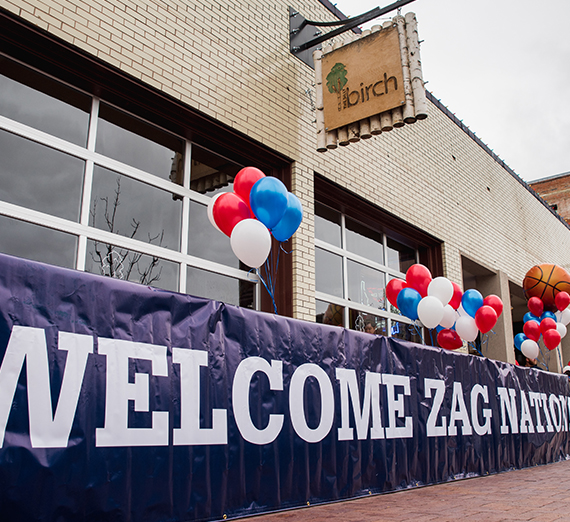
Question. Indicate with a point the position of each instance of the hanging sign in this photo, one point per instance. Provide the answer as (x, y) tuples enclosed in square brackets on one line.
[(362, 79), (370, 85)]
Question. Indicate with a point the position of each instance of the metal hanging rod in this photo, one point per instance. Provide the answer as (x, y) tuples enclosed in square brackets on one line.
[(304, 37)]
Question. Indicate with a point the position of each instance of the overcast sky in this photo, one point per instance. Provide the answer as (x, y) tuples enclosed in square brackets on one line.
[(503, 67)]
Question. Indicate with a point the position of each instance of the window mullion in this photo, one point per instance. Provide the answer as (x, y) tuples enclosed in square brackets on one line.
[(87, 185), (185, 226)]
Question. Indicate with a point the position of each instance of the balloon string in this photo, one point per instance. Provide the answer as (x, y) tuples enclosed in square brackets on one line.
[(474, 346), (541, 354), (269, 291), (418, 331)]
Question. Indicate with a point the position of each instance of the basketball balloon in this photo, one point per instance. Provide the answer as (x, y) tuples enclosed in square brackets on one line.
[(545, 282)]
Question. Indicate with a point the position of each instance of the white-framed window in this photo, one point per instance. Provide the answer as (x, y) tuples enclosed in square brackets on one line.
[(353, 264), (87, 185)]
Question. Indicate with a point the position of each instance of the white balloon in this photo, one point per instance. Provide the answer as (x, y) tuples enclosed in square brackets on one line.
[(441, 288), (561, 329), (529, 348), (466, 328), (565, 316), (449, 316), (430, 311), (211, 210), (251, 242)]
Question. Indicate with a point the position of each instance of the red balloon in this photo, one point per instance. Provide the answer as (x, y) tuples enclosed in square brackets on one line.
[(562, 300), (485, 318), (244, 180), (449, 339), (229, 209), (532, 330), (457, 295), (547, 324), (393, 289), (419, 277), (535, 306), (551, 339), (494, 301)]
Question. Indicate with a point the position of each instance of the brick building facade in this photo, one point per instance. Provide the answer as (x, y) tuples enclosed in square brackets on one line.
[(555, 190), (213, 85)]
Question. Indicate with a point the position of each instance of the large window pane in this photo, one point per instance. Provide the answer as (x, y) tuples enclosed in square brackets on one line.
[(113, 261), (366, 285), (139, 144), (327, 225), (329, 313), (364, 241), (399, 257), (205, 241), (29, 241), (40, 178), (209, 172), (202, 283), (127, 207), (328, 272), (368, 323), (36, 100)]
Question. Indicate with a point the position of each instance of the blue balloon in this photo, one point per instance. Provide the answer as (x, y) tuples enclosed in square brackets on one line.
[(472, 300), (291, 219), (519, 338), (268, 200), (547, 314), (530, 317), (408, 301)]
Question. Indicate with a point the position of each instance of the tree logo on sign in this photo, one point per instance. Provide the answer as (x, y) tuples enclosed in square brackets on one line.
[(336, 80)]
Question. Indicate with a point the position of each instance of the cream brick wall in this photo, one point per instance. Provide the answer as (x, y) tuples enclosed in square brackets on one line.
[(231, 60)]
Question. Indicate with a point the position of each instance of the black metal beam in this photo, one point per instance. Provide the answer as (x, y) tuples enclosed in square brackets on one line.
[(301, 30), (353, 22)]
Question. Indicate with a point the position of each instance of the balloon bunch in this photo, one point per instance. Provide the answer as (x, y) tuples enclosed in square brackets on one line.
[(540, 322), (439, 303), (259, 206)]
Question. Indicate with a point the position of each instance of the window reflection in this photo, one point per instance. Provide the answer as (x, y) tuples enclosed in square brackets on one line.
[(205, 241), (329, 313), (364, 241), (138, 144), (40, 178), (405, 331), (113, 261), (202, 283), (368, 323), (209, 172), (399, 257), (327, 225), (127, 207), (366, 285), (18, 238), (40, 102), (328, 272)]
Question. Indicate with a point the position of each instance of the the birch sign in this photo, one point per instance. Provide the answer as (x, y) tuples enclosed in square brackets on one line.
[(369, 85), (362, 79)]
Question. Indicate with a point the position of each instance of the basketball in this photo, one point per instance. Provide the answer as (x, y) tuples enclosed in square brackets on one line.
[(545, 281)]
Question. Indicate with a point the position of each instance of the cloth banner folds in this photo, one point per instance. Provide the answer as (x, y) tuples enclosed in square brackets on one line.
[(123, 402)]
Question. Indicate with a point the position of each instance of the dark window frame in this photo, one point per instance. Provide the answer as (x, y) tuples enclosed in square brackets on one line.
[(356, 207), (49, 54)]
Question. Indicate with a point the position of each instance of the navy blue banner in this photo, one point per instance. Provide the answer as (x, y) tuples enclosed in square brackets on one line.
[(122, 402)]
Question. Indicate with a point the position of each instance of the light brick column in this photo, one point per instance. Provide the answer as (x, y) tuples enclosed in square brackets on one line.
[(302, 184)]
